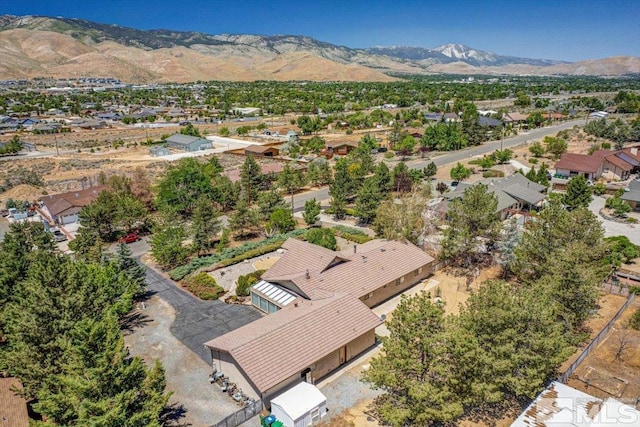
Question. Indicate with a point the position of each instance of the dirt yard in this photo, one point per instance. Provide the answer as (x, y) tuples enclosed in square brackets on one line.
[(613, 368)]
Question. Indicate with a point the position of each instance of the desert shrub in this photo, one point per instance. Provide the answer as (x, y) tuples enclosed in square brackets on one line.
[(533, 160), (203, 286), (634, 322), (389, 155), (246, 281), (492, 174)]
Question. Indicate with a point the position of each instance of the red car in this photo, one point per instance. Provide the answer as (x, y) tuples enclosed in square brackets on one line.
[(129, 238)]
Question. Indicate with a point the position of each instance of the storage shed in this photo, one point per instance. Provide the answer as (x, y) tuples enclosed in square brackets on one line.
[(300, 406)]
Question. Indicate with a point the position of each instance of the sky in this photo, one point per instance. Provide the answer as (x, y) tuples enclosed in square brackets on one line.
[(568, 30)]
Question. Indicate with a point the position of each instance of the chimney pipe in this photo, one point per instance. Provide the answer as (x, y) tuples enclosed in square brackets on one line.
[(307, 275), (354, 249)]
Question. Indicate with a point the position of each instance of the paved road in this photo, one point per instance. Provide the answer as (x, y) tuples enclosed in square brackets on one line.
[(196, 321), (455, 156)]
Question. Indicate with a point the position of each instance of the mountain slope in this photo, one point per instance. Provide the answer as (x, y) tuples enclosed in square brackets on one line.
[(32, 46)]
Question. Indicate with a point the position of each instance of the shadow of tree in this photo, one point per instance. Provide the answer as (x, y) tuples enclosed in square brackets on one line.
[(134, 320), (172, 416)]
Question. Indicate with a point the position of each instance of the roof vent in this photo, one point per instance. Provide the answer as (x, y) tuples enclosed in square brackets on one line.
[(364, 258), (307, 275), (382, 249)]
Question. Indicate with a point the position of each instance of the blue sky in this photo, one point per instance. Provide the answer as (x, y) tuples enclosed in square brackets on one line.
[(552, 29)]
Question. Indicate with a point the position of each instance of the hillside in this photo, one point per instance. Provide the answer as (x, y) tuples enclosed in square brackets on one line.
[(61, 47)]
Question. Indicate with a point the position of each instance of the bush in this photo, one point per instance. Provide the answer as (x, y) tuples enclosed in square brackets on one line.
[(230, 256), (634, 322), (492, 174), (246, 281), (352, 234), (606, 146), (533, 161), (389, 155), (324, 237), (204, 286), (599, 189)]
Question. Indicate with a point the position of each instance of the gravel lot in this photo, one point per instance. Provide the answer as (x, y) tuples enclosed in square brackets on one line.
[(612, 228), (201, 403)]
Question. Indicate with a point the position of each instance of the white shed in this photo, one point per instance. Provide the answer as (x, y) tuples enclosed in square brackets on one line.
[(300, 406)]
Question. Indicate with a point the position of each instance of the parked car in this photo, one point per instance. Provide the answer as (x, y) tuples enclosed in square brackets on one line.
[(129, 238), (59, 236)]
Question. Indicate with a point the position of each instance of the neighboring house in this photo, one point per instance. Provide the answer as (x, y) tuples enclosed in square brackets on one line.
[(561, 405), (515, 118), (188, 143), (319, 303), (159, 151), (631, 155), (261, 150), (435, 117), (292, 136), (47, 127), (489, 121), (109, 115), (341, 148), (632, 195), (572, 164), (515, 193), (614, 167), (13, 406), (598, 115), (64, 208), (451, 117)]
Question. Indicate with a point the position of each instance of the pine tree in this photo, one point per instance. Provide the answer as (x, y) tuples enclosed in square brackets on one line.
[(368, 201), (205, 225), (311, 213), (578, 193), (250, 179)]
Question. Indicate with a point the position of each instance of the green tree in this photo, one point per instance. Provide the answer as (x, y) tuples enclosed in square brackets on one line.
[(555, 146), (415, 369), (224, 131), (368, 200), (290, 180), (190, 130), (281, 221), (182, 185), (502, 156), (406, 146), (469, 218), (322, 237), (402, 218), (620, 250), (402, 178), (522, 100), (319, 172), (268, 202), (537, 149), (167, 240), (244, 220), (430, 170), (618, 206), (459, 172), (205, 225), (383, 178), (311, 213), (251, 179), (486, 163), (578, 193)]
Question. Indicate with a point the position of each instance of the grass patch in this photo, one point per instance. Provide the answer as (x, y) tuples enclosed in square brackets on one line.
[(492, 174), (352, 234)]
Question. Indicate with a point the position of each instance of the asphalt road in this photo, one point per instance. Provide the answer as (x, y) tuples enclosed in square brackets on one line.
[(454, 156)]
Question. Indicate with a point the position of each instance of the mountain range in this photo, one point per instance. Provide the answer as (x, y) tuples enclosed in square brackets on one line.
[(37, 46)]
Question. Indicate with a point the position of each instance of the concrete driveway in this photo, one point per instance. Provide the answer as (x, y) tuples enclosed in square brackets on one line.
[(613, 228)]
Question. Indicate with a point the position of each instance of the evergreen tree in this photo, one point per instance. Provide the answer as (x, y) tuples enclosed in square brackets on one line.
[(244, 220), (167, 240), (368, 201), (402, 179), (281, 221), (129, 266), (205, 225), (182, 185), (578, 193), (268, 202), (322, 237), (459, 172), (430, 170), (383, 179), (250, 179), (311, 213)]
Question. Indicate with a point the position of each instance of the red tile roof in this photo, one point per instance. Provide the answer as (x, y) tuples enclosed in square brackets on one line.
[(310, 329), (13, 407), (579, 162)]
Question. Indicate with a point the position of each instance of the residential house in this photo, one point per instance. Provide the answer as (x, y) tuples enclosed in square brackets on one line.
[(561, 405), (489, 121), (631, 195), (13, 406), (598, 115), (261, 150), (514, 193), (318, 302), (572, 164), (341, 148), (435, 117), (64, 208), (631, 155), (613, 167), (159, 151), (188, 143), (292, 136), (515, 118), (302, 342), (88, 124), (109, 115), (450, 117)]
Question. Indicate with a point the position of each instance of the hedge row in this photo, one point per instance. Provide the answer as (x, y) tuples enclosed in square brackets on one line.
[(229, 256)]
